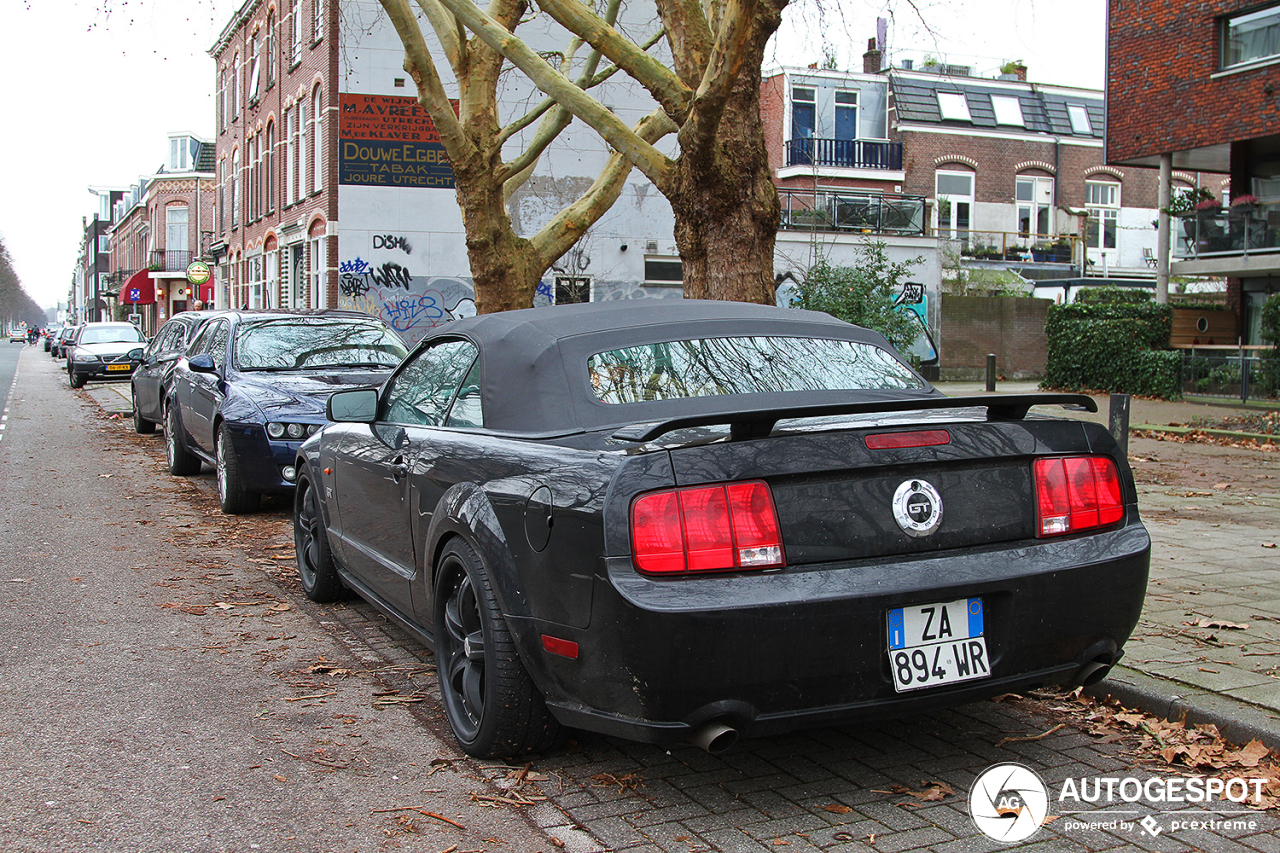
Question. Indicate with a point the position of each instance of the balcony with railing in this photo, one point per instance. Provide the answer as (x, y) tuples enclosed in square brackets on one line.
[(866, 213), (170, 260), (1239, 230), (844, 153)]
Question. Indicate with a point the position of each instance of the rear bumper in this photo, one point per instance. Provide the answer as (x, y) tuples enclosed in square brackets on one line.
[(768, 653)]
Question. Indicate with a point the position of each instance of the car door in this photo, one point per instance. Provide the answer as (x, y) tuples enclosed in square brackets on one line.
[(380, 464), (157, 360), (205, 391)]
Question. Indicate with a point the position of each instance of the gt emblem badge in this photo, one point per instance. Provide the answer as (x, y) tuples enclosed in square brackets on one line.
[(917, 507)]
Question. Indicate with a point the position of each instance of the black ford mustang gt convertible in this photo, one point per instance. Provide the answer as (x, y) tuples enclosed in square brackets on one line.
[(700, 519)]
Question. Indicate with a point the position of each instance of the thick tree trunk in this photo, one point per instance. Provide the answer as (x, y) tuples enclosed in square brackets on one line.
[(726, 205), (505, 268)]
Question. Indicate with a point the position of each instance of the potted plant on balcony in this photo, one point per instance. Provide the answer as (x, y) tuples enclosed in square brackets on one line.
[(1244, 204)]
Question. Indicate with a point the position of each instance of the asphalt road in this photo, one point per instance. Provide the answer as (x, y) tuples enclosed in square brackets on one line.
[(167, 688)]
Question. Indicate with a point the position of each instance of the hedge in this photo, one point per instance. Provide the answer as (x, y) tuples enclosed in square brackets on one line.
[(1112, 346)]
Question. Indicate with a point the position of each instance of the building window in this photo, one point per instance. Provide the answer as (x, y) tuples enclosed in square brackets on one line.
[(235, 184), (317, 137), (319, 263), (268, 168), (177, 234), (295, 21), (317, 20), (1008, 110), (1251, 37), (222, 195), (235, 86), (254, 70), (300, 158), (665, 271), (268, 43), (1079, 119), (287, 172), (104, 244), (222, 99), (953, 106), (954, 191), (1102, 201), (847, 115), (571, 289), (1035, 205), (255, 177), (804, 112)]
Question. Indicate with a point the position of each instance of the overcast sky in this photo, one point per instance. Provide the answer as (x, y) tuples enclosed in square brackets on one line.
[(90, 97)]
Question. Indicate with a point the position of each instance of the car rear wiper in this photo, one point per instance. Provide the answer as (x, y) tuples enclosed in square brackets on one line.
[(760, 423)]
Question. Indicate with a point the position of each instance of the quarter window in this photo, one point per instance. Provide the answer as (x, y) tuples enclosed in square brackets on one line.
[(1251, 37)]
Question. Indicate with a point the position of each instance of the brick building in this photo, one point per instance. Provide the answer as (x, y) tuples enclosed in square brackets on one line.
[(1192, 84), (276, 66), (159, 226), (91, 277)]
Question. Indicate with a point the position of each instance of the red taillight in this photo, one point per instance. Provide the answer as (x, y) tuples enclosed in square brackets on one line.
[(1075, 493), (706, 529)]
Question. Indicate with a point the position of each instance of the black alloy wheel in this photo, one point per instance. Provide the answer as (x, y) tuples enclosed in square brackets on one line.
[(492, 705), (233, 497), (316, 567)]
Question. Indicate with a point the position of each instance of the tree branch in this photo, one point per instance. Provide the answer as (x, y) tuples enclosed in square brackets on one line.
[(419, 65)]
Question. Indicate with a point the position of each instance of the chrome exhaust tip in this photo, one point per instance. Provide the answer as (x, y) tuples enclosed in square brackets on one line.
[(714, 737)]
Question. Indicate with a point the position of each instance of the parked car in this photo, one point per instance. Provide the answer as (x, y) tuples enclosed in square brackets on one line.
[(700, 519), (149, 387), (59, 349), (104, 351), (252, 386), (50, 335)]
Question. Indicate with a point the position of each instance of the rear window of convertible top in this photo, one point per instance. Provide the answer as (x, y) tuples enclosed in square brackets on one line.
[(705, 367)]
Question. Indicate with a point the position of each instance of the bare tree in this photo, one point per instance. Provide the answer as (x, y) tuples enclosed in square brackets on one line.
[(720, 185), (505, 266)]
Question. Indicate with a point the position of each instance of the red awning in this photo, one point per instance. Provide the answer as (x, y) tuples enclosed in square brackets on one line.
[(140, 289)]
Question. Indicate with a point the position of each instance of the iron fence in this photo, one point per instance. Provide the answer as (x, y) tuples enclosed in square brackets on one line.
[(1241, 373)]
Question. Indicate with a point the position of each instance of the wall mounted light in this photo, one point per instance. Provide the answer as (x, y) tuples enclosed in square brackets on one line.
[(622, 248)]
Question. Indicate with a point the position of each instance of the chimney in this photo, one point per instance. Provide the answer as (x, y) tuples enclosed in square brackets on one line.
[(871, 59)]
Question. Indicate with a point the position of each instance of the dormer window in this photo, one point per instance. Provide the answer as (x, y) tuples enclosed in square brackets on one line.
[(180, 153), (1008, 110), (954, 106)]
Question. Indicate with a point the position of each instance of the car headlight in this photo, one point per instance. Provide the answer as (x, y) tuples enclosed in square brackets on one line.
[(293, 432), (86, 357)]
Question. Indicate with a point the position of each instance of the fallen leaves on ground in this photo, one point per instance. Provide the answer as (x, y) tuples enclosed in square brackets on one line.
[(1173, 747)]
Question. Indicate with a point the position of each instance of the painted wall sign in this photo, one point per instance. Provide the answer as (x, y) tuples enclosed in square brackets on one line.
[(389, 141)]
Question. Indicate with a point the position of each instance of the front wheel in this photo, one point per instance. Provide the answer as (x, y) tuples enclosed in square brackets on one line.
[(316, 568), (76, 381), (493, 706), (182, 462), (233, 497)]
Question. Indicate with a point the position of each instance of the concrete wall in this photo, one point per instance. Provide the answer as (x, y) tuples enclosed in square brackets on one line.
[(973, 326)]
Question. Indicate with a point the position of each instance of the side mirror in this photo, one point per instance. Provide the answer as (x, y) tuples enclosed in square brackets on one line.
[(353, 407), (202, 363), (135, 354)]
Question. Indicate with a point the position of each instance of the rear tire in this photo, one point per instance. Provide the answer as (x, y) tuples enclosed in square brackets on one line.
[(316, 567), (182, 462), (493, 706), (233, 497), (141, 425)]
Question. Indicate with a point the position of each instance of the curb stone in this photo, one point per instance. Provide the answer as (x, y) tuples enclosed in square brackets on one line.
[(1238, 722)]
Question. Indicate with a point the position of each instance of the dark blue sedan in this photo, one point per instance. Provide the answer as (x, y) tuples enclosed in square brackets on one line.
[(253, 385)]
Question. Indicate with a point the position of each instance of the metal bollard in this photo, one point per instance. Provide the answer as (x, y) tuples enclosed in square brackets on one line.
[(1118, 421), (991, 371)]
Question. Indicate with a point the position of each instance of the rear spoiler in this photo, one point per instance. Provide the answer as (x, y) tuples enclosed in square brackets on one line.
[(743, 425)]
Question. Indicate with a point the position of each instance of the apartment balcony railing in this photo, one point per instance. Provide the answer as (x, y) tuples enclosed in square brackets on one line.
[(170, 260), (844, 153), (809, 210), (1239, 230)]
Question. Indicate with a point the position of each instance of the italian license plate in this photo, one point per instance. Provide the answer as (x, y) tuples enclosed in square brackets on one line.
[(111, 367), (934, 644)]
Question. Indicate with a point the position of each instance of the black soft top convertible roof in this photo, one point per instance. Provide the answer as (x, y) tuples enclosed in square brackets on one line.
[(533, 362)]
